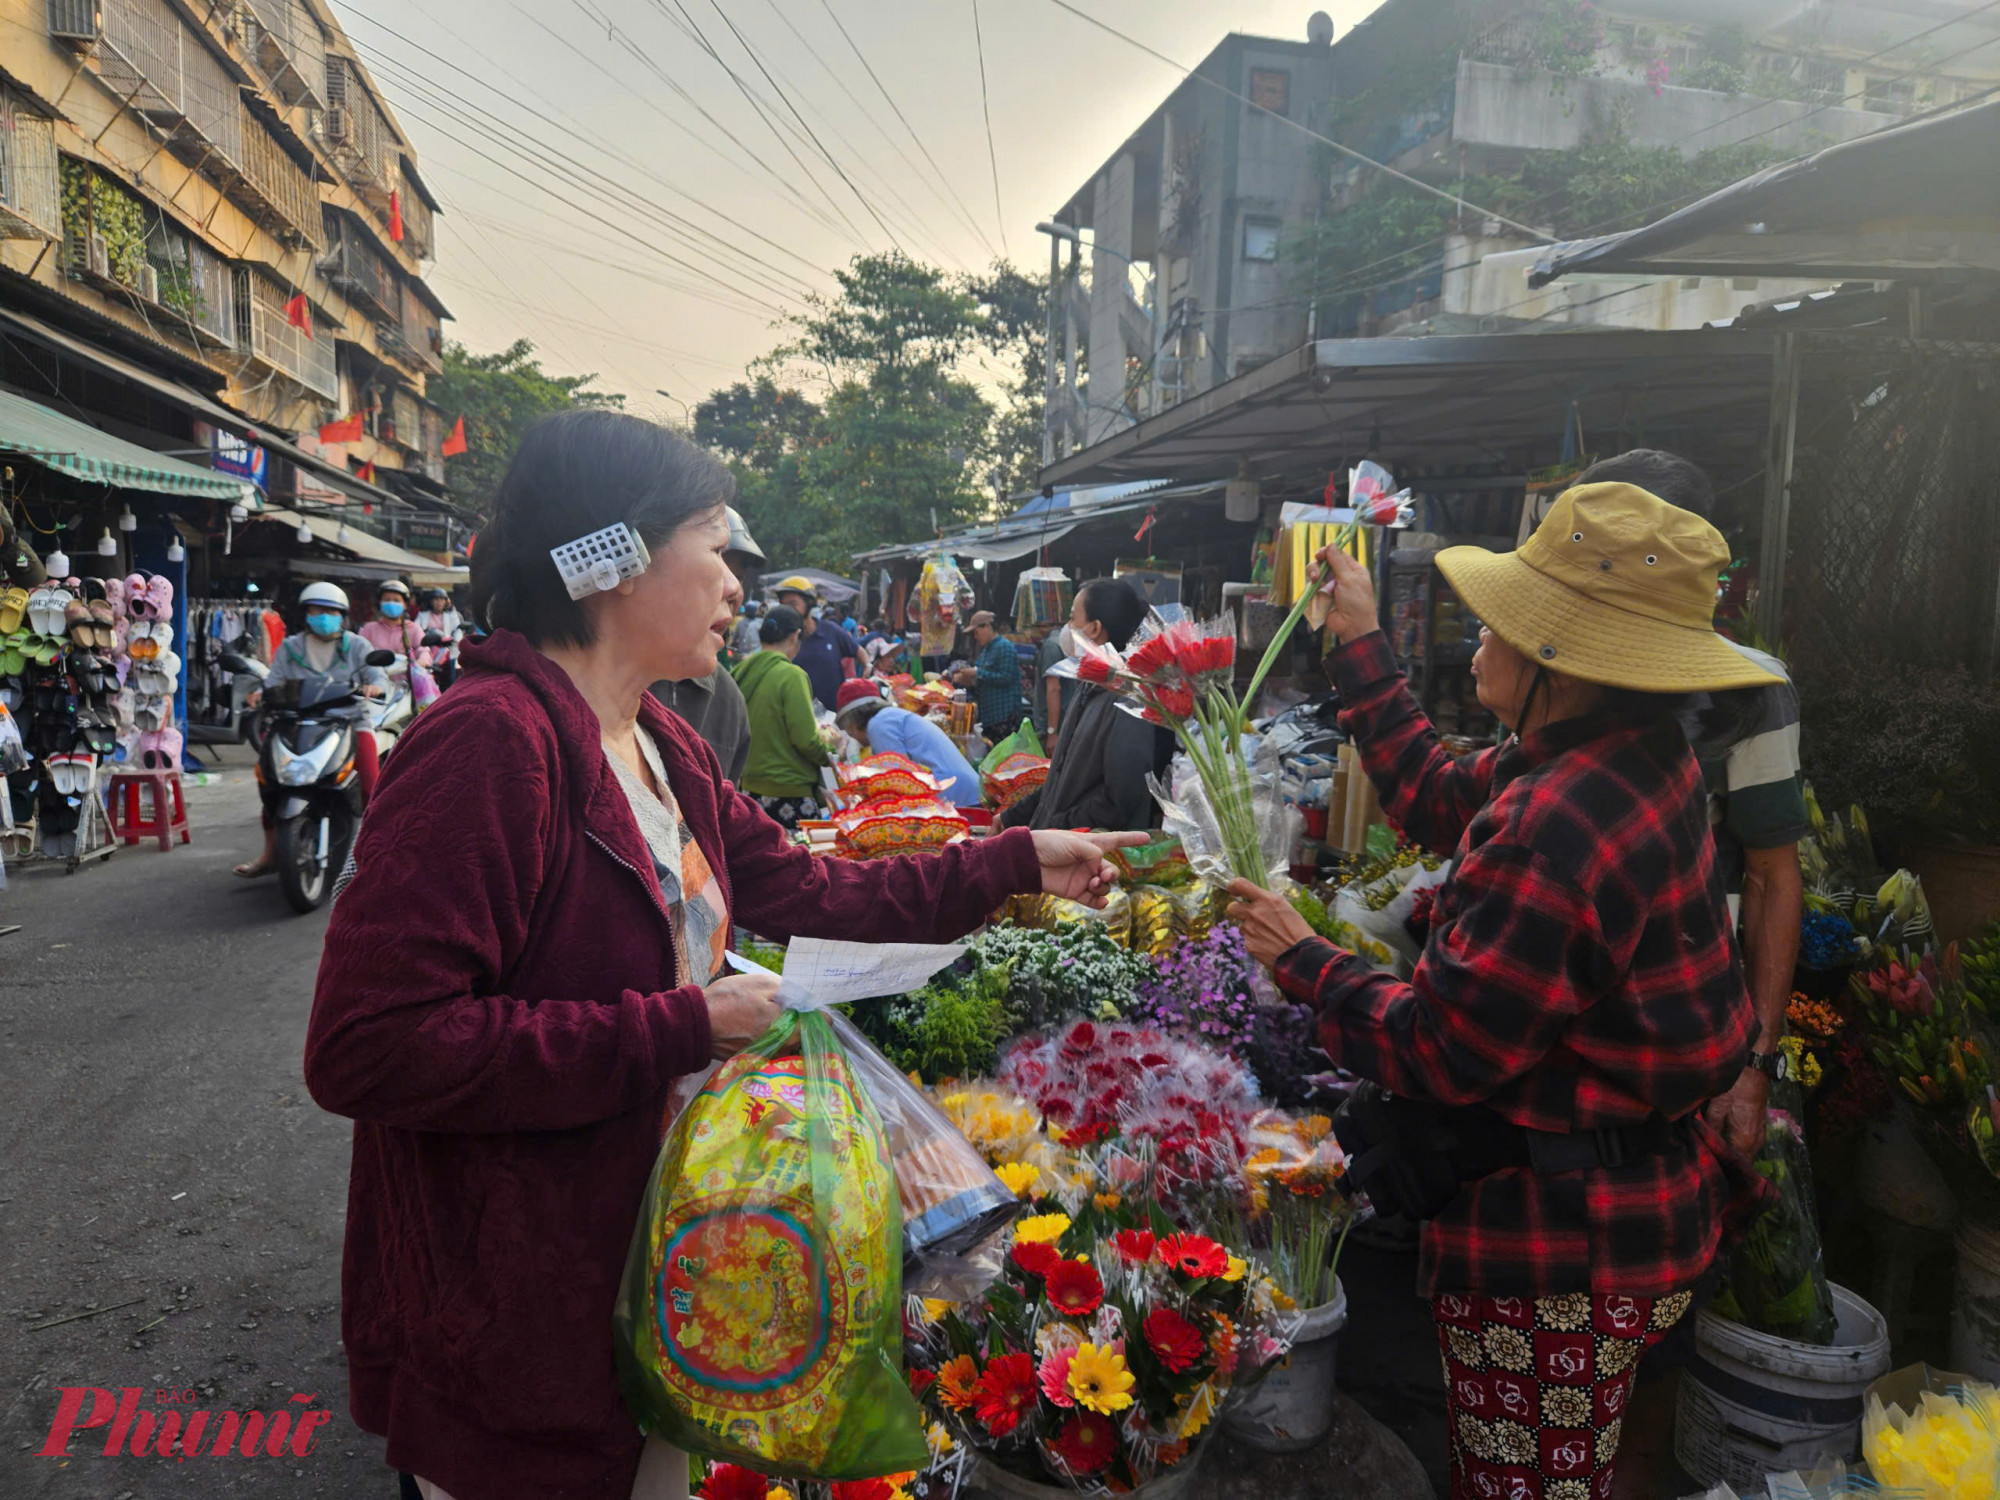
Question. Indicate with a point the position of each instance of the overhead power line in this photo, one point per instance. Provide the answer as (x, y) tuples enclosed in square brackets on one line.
[(986, 110), (1343, 149)]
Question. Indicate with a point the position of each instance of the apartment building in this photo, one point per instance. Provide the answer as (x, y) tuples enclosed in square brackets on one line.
[(216, 197), (1198, 250)]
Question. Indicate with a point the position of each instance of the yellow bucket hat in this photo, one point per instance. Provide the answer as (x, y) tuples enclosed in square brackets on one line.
[(1615, 587)]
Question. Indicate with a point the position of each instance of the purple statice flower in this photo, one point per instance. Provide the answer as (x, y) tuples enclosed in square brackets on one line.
[(1201, 989)]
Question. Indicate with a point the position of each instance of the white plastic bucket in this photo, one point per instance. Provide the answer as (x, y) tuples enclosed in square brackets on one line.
[(1291, 1408), (1752, 1404), (1975, 1305)]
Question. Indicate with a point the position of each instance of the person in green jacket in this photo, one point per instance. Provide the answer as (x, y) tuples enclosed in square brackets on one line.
[(786, 751)]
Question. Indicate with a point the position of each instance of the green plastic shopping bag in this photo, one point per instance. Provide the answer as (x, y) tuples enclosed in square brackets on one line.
[(760, 1319), (1023, 741)]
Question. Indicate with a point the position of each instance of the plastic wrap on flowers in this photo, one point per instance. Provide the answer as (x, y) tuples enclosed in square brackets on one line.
[(1161, 861), (1187, 804), (1776, 1277), (896, 825), (759, 1319), (1014, 777), (886, 775)]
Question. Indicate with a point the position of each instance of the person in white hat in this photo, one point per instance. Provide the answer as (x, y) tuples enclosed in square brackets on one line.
[(1536, 1090)]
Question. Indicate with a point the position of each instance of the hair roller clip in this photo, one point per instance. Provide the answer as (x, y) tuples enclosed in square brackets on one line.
[(599, 562)]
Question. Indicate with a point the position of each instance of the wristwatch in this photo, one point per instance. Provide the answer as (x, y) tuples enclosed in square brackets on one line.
[(1765, 1063)]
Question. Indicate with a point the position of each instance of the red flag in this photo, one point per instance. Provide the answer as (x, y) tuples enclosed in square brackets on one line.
[(346, 430), (366, 474), (395, 217), (454, 442), (298, 313)]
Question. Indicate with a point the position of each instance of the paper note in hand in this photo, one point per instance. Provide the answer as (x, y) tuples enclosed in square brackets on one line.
[(833, 973)]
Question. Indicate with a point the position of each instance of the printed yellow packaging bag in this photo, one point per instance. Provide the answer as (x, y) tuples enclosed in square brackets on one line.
[(760, 1319)]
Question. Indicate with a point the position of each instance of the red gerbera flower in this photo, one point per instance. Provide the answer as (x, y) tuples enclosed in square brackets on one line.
[(1150, 658), (1005, 1393), (1206, 655), (1135, 1246), (1175, 1342), (733, 1482), (1074, 1288), (1174, 700), (1193, 1255), (1036, 1260), (863, 1489), (1083, 1135), (920, 1380), (1086, 1443), (1091, 667)]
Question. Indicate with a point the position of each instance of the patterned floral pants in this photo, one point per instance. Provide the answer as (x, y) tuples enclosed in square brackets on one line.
[(1535, 1388), (788, 810)]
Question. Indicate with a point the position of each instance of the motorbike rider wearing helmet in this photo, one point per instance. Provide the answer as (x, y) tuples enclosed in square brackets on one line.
[(328, 653), (394, 628)]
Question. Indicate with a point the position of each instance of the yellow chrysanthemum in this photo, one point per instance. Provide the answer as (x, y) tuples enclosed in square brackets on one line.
[(1315, 1127), (955, 1101), (940, 1440), (1237, 1266), (1020, 1177), (1200, 1409), (1042, 1229), (1281, 1301), (1105, 1202), (1269, 1156), (1099, 1380), (777, 1492), (935, 1308)]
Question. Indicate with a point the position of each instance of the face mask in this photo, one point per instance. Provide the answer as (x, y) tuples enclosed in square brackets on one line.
[(392, 609), (1072, 643), (325, 626)]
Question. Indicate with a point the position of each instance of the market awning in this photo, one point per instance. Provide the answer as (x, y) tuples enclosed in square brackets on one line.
[(195, 404), (1916, 201), (830, 586), (1469, 399), (1039, 523), (368, 556), (49, 438)]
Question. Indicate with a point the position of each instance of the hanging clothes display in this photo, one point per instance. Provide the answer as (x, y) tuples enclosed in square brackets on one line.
[(244, 626), (943, 599), (1041, 599)]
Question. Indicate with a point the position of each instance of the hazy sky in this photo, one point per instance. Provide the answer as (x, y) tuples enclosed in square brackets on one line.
[(610, 193)]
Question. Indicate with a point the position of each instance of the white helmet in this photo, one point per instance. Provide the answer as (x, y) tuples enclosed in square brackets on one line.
[(395, 586), (325, 593)]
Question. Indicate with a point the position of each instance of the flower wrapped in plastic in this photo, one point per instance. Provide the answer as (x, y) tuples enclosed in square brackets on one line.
[(1776, 1276)]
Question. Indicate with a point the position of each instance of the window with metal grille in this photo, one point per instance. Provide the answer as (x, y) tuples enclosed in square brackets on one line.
[(31, 201)]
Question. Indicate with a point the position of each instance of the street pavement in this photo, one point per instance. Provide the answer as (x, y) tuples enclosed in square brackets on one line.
[(158, 1149)]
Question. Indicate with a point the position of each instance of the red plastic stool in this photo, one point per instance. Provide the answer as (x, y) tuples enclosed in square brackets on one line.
[(166, 788)]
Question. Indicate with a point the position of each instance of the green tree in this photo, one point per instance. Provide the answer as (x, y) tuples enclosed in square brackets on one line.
[(903, 436), (761, 428), (500, 396), (1014, 332)]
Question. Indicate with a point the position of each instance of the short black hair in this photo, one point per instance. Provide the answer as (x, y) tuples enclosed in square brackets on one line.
[(780, 620), (1117, 606), (577, 472), (1674, 479)]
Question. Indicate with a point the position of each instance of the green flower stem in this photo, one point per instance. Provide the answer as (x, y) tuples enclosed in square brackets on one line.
[(1278, 642)]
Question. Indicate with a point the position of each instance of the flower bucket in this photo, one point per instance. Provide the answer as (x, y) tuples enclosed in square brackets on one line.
[(1975, 1304), (1176, 1483), (1752, 1404), (1291, 1408)]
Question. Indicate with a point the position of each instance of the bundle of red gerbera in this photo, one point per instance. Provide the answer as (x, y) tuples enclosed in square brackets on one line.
[(1107, 1347), (1092, 1081)]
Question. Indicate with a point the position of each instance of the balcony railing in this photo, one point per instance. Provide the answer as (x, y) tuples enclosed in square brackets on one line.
[(430, 460), (419, 228), (363, 275), (422, 331), (279, 183), (357, 134), (290, 49), (266, 336)]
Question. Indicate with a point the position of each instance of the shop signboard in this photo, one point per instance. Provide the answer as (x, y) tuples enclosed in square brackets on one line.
[(230, 454)]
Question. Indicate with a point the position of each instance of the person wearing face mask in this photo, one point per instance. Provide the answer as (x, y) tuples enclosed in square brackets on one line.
[(326, 650), (393, 629), (505, 1024), (1097, 777)]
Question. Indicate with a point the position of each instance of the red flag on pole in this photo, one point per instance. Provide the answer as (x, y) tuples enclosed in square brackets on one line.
[(367, 472), (346, 430), (454, 443), (395, 217), (298, 313)]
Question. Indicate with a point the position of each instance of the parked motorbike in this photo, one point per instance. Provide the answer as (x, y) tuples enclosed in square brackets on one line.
[(308, 749)]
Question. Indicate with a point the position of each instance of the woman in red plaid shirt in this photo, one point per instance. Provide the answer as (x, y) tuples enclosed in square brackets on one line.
[(1578, 998)]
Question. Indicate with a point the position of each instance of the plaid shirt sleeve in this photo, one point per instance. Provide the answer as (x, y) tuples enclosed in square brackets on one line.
[(1521, 958), (1428, 794)]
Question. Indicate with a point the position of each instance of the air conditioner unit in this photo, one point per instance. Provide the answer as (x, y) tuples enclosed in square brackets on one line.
[(100, 256), (149, 282), (75, 20), (336, 126)]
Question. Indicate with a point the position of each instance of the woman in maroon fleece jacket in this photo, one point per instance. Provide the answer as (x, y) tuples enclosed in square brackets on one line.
[(503, 1019)]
